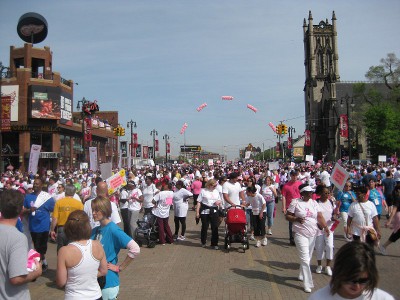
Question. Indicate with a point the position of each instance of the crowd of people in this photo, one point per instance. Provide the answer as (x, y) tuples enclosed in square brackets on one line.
[(75, 210)]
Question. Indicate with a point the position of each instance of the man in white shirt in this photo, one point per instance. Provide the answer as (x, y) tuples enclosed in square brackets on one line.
[(325, 177), (232, 191), (102, 190)]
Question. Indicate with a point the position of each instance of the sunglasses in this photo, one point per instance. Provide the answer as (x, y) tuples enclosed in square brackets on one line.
[(360, 281)]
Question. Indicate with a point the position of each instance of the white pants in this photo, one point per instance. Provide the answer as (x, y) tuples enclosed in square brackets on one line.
[(133, 217), (305, 248), (324, 245)]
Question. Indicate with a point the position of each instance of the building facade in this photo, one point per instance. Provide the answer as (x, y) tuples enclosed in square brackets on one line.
[(40, 105)]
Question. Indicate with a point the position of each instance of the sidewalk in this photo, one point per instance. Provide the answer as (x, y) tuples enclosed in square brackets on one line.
[(185, 270)]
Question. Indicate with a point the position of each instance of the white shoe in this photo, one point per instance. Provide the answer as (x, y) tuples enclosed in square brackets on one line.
[(181, 238), (258, 244), (382, 249), (269, 232), (307, 290), (300, 277), (252, 237), (264, 242), (328, 271), (318, 270)]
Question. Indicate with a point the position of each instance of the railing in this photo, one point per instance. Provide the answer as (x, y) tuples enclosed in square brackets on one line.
[(48, 76)]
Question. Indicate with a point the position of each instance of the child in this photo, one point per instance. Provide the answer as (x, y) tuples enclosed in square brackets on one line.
[(257, 203)]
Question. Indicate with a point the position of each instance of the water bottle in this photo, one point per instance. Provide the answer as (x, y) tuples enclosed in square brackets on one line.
[(33, 213)]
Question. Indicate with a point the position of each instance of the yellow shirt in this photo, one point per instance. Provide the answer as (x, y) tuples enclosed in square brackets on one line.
[(64, 207)]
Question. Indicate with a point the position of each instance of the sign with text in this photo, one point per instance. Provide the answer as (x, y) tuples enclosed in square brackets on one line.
[(339, 176), (116, 181), (190, 148)]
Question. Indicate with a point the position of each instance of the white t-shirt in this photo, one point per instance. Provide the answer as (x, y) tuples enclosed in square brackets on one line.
[(124, 196), (208, 198), (181, 205), (255, 202), (307, 210), (325, 294), (134, 205), (267, 193), (114, 213), (232, 190), (148, 192), (164, 200), (358, 218), (325, 178), (327, 208)]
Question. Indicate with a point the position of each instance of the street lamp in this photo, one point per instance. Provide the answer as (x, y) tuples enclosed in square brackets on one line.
[(154, 133), (291, 130), (4, 73), (132, 125), (83, 103), (166, 138), (347, 99)]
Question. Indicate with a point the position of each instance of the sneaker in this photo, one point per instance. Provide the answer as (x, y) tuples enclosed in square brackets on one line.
[(181, 238), (382, 249), (203, 245), (252, 237), (258, 244), (269, 232), (328, 271), (301, 278), (292, 243), (45, 267), (307, 290), (318, 270), (264, 242), (216, 248)]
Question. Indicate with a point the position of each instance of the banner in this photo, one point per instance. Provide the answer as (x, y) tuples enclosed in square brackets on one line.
[(93, 158), (145, 152), (138, 151), (168, 148), (307, 138), (34, 158), (123, 148), (156, 144), (6, 113), (135, 140), (66, 110), (106, 170), (278, 147), (88, 130), (13, 92), (344, 127), (150, 153), (289, 143)]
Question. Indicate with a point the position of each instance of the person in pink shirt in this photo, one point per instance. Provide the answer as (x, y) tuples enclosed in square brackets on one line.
[(290, 191), (196, 189)]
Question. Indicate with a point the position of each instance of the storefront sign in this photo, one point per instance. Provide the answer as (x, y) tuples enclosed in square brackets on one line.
[(50, 155)]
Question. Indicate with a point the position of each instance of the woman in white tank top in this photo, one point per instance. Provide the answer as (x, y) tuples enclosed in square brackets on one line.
[(81, 261)]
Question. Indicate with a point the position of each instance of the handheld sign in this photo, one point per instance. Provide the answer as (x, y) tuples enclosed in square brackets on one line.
[(339, 176), (116, 181)]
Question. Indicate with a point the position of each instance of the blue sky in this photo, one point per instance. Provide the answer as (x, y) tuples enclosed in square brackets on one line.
[(157, 61)]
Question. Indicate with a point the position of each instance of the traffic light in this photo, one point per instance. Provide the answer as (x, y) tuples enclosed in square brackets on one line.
[(279, 129), (285, 129), (122, 131), (115, 130)]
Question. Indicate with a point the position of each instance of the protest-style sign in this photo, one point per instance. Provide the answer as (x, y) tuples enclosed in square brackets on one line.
[(116, 181), (339, 176)]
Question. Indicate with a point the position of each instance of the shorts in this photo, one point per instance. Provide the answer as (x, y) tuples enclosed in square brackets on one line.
[(39, 240), (110, 293), (344, 216), (389, 199)]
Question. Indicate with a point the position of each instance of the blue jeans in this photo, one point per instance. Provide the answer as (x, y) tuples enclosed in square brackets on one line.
[(270, 213)]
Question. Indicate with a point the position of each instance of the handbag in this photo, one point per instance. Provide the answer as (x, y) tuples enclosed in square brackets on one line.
[(371, 232)]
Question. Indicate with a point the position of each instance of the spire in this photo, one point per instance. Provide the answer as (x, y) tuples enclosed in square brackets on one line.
[(333, 16), (309, 15), (304, 23)]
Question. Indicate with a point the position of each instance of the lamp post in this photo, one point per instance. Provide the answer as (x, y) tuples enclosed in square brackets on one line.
[(291, 130), (347, 99), (154, 133), (132, 125), (166, 138), (4, 73), (83, 103)]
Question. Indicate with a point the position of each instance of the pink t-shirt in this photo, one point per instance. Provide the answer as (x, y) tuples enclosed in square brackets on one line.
[(307, 210), (291, 191), (196, 187)]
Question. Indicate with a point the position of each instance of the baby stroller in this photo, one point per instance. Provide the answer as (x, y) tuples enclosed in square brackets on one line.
[(147, 231), (235, 227)]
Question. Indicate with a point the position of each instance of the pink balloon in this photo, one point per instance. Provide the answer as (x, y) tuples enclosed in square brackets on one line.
[(251, 107)]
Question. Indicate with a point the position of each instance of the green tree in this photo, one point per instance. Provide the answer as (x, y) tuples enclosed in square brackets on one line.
[(382, 123)]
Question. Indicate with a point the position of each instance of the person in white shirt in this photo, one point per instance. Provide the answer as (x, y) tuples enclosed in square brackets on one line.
[(325, 177), (123, 206), (149, 190), (232, 191), (257, 204), (162, 201), (355, 276), (181, 206), (135, 200)]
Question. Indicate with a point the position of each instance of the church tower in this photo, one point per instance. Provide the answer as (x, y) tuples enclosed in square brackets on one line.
[(321, 75)]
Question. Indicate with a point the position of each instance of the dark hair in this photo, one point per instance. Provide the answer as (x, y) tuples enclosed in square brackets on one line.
[(352, 259), (78, 226), (251, 189), (361, 189), (233, 175), (11, 202), (179, 183)]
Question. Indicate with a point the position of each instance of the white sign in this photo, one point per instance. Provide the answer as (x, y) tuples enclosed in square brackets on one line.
[(382, 158), (339, 176), (309, 158), (93, 158), (34, 158), (210, 162), (273, 165), (247, 154)]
